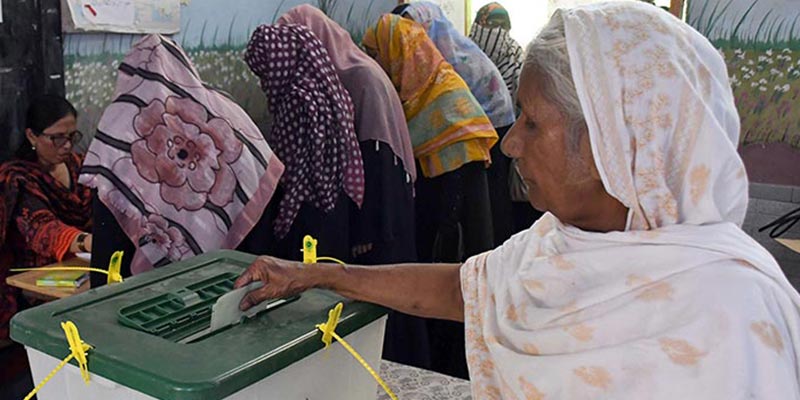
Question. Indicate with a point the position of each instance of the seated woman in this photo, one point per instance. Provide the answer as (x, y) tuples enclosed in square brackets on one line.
[(487, 85), (382, 230), (45, 213), (638, 283)]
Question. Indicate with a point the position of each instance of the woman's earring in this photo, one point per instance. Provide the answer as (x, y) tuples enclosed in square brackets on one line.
[(33, 147)]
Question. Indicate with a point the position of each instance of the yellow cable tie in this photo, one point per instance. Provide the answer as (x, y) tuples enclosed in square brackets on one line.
[(331, 259), (64, 268), (49, 376), (114, 266), (328, 333), (78, 351), (364, 364)]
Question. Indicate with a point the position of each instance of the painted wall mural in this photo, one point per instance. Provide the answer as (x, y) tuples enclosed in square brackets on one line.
[(761, 43), (213, 36)]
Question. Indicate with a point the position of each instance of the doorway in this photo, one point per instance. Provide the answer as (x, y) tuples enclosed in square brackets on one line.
[(31, 63)]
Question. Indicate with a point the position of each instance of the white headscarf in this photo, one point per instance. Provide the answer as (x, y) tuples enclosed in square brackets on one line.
[(681, 305)]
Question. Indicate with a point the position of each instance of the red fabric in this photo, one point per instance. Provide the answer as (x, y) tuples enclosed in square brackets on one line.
[(64, 241), (38, 215)]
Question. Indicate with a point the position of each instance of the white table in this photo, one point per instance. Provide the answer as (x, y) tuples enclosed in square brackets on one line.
[(410, 383)]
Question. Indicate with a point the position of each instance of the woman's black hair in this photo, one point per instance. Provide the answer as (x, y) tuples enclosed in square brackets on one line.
[(400, 10), (43, 112)]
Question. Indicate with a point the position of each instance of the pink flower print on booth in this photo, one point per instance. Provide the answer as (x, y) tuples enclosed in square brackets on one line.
[(157, 232), (186, 153)]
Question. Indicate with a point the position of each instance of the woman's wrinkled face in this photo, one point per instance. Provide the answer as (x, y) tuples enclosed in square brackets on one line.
[(53, 145), (559, 179)]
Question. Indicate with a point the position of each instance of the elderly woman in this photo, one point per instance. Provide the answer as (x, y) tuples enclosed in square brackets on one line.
[(638, 282)]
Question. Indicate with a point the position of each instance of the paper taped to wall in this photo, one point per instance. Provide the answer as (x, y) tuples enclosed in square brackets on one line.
[(109, 12), (125, 16)]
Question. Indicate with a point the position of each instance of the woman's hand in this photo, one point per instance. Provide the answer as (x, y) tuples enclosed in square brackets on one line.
[(425, 290), (281, 278)]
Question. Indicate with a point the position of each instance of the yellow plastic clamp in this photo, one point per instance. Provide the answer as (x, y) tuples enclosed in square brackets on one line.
[(77, 347), (78, 351), (114, 266), (329, 327), (329, 333), (309, 250)]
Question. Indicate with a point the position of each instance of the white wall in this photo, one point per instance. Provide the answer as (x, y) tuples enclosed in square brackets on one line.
[(529, 16)]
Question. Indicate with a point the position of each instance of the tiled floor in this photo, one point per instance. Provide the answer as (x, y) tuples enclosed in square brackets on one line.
[(767, 203)]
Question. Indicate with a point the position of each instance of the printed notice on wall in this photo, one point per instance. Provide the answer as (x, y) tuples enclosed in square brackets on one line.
[(125, 16)]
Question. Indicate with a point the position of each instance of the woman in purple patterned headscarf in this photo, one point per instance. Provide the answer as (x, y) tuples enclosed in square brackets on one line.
[(313, 131), (383, 230), (380, 234)]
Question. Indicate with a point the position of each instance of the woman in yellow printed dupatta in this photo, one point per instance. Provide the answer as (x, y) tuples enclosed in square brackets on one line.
[(452, 138), (447, 125)]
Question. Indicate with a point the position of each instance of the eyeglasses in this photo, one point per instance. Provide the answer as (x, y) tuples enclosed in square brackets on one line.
[(60, 139)]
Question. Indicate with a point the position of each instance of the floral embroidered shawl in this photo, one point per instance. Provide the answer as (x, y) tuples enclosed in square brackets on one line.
[(682, 304), (180, 165)]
